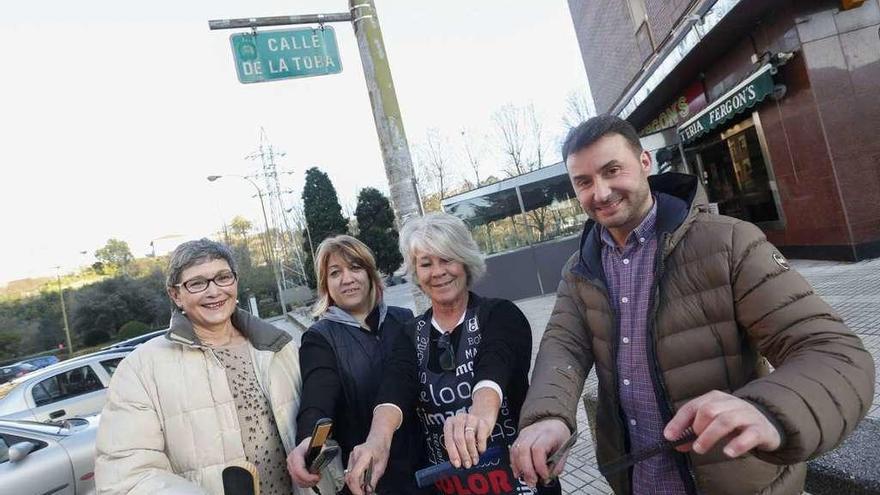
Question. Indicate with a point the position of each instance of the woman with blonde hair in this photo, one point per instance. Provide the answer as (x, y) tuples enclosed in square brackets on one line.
[(342, 358)]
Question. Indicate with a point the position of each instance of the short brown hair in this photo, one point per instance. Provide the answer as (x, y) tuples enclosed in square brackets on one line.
[(352, 251), (591, 130)]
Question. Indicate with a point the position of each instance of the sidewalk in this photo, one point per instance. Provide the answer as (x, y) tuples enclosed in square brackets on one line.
[(853, 289)]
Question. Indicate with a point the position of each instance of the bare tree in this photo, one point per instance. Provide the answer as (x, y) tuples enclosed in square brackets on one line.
[(523, 143), (435, 158), (576, 110), (511, 135), (521, 137), (474, 151), (536, 134)]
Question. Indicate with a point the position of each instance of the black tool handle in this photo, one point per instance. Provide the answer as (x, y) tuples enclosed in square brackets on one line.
[(636, 457), (239, 480)]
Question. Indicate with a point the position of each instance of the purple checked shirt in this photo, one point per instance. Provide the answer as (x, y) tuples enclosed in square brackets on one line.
[(629, 271)]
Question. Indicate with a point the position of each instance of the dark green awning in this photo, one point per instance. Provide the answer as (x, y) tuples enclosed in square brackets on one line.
[(743, 96)]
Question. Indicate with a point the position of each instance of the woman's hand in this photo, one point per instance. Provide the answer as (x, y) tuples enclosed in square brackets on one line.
[(296, 466), (371, 455), (465, 436)]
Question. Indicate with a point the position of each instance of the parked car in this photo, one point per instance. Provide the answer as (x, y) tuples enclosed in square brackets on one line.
[(136, 341), (40, 361), (38, 458), (76, 387), (14, 371)]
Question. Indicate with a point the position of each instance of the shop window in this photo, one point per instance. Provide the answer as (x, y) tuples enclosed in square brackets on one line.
[(735, 175), (494, 220), (551, 208), (498, 223)]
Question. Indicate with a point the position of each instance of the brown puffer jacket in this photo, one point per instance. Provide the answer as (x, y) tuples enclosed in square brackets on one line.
[(724, 296)]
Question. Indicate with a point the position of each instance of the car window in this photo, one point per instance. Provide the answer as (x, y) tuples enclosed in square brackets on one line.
[(62, 386), (110, 365), (4, 450)]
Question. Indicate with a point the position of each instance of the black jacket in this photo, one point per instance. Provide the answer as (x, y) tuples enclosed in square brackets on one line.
[(342, 368)]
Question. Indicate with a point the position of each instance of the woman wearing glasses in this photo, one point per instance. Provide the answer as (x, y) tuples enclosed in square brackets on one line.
[(463, 368), (343, 357), (221, 387)]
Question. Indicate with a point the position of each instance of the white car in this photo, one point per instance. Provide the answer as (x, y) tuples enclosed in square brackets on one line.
[(76, 387), (41, 458)]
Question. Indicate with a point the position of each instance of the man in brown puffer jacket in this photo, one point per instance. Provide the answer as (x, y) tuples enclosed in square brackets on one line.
[(675, 307)]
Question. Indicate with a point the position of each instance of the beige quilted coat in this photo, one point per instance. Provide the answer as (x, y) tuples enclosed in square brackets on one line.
[(170, 424)]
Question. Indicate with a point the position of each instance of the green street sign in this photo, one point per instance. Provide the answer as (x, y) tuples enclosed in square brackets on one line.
[(285, 54)]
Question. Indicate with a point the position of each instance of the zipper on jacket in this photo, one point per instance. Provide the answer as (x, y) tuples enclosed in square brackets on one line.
[(615, 347), (665, 404)]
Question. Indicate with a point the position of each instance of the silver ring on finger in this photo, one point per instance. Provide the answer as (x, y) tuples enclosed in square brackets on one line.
[(469, 429)]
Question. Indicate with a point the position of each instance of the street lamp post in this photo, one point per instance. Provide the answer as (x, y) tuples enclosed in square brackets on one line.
[(270, 249), (64, 313)]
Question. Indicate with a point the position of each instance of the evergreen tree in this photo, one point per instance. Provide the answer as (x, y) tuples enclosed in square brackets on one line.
[(323, 214), (376, 229)]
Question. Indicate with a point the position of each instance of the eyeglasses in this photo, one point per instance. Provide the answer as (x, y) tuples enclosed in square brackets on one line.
[(200, 284), (447, 353)]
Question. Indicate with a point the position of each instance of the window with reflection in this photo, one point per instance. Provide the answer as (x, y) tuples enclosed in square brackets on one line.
[(551, 208), (498, 223)]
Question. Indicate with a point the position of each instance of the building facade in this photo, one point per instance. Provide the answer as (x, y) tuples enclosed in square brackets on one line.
[(774, 105)]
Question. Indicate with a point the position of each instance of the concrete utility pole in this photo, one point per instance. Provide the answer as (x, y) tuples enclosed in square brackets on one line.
[(386, 110)]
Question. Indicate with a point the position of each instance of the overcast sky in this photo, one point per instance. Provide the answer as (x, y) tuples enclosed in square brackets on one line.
[(113, 113)]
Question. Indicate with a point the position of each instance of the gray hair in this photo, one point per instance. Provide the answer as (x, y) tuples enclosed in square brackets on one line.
[(443, 235), (192, 253)]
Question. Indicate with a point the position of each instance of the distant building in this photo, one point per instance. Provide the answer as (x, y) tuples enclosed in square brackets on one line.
[(775, 105)]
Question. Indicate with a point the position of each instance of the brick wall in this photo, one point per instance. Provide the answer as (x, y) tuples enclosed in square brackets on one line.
[(607, 40), (663, 16), (609, 48)]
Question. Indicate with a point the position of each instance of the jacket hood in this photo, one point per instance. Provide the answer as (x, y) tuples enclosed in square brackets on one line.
[(338, 315), (263, 336), (679, 197)]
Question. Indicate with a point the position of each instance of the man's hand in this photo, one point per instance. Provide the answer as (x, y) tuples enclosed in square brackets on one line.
[(528, 455), (716, 416), (296, 465)]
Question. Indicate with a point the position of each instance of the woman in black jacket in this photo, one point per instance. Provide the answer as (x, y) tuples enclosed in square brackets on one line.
[(342, 357)]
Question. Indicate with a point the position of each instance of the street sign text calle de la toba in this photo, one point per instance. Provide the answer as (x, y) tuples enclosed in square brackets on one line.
[(285, 54)]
